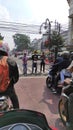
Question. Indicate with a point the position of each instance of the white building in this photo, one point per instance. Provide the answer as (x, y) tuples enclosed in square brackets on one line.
[(65, 36)]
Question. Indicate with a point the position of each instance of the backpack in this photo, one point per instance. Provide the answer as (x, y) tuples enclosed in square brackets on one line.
[(4, 74)]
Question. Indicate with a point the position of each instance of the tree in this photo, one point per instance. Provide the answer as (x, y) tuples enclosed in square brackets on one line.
[(22, 42), (56, 42), (1, 37), (56, 39)]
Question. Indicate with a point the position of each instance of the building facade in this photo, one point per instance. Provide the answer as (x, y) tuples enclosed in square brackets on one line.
[(70, 35)]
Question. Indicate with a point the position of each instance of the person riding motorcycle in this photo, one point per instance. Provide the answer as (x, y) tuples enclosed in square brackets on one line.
[(66, 73), (62, 63), (13, 76)]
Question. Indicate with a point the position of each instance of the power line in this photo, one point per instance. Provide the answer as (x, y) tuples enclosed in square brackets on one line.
[(25, 28), (20, 24)]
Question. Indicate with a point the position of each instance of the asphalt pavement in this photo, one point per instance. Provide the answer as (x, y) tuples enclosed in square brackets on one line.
[(34, 95)]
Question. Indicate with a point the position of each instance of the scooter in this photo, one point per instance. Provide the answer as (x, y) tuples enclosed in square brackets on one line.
[(22, 119), (65, 111)]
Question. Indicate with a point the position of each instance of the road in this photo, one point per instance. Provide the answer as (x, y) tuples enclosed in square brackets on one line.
[(34, 95)]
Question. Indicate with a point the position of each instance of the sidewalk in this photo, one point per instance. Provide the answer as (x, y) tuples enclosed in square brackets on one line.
[(34, 95)]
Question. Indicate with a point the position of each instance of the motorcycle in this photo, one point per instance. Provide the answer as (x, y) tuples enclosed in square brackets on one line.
[(22, 119), (49, 79), (57, 76), (4, 104), (57, 79), (63, 106)]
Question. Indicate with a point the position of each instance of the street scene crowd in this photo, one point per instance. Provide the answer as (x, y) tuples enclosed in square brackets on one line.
[(36, 71), (34, 59), (35, 65), (63, 65)]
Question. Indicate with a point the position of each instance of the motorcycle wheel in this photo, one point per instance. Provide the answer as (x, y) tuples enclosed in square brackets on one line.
[(48, 82), (62, 112)]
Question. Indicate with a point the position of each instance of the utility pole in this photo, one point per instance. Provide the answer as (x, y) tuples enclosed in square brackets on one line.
[(58, 29)]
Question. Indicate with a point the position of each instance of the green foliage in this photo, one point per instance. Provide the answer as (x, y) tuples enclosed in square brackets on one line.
[(56, 42), (21, 41), (56, 39), (1, 37)]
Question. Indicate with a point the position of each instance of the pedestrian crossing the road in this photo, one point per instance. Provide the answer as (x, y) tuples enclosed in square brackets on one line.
[(29, 71)]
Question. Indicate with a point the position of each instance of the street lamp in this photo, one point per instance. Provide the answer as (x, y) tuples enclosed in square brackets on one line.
[(42, 25), (47, 27)]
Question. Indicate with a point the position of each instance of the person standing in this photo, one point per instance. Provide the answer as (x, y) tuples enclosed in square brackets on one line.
[(42, 63), (34, 62), (24, 59)]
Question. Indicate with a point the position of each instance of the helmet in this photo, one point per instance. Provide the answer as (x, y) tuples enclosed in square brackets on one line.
[(4, 48), (65, 54)]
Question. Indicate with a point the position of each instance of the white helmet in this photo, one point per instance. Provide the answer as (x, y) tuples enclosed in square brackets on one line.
[(4, 47)]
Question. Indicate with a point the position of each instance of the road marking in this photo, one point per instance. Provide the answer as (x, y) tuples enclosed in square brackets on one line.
[(29, 71), (31, 77)]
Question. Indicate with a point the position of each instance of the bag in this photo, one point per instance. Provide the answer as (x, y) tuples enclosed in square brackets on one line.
[(4, 74), (15, 75)]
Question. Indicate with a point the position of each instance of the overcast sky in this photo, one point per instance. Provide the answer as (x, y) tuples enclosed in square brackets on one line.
[(34, 11)]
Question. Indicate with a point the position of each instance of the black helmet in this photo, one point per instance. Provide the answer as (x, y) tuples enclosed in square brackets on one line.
[(65, 54)]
